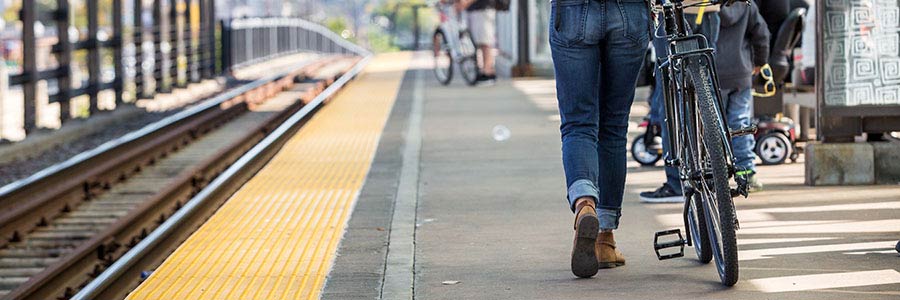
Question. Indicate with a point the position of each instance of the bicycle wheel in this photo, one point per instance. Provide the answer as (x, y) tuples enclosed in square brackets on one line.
[(696, 218), (714, 188), (443, 60), (468, 63), (641, 154), (699, 230)]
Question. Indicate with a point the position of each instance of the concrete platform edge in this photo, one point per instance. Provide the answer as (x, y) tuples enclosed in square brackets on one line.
[(359, 269)]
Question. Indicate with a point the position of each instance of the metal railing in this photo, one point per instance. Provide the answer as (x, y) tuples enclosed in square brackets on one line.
[(181, 30), (253, 40), (182, 43)]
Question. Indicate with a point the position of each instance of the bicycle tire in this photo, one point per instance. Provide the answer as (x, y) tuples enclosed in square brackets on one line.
[(640, 154), (697, 223), (439, 34), (699, 231), (714, 142), (468, 64)]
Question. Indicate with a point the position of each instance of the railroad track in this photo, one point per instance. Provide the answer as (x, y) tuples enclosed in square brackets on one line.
[(65, 225)]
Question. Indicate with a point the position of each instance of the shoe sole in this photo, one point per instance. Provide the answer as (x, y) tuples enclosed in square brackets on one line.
[(611, 265), (584, 260), (673, 199)]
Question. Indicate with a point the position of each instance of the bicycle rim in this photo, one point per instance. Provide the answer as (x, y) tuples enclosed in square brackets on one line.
[(699, 230), (443, 60), (715, 191), (468, 65), (469, 70)]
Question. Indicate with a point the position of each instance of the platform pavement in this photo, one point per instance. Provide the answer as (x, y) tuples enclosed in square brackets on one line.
[(491, 221)]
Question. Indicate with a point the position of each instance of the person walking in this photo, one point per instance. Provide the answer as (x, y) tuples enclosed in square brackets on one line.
[(483, 26), (597, 48)]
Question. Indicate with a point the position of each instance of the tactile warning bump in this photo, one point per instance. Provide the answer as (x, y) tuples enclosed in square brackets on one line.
[(276, 237)]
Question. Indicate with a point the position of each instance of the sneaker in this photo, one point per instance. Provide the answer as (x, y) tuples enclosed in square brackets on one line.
[(754, 185), (485, 80), (664, 194)]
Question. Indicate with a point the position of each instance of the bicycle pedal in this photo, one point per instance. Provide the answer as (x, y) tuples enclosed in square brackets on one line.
[(678, 242), (744, 131)]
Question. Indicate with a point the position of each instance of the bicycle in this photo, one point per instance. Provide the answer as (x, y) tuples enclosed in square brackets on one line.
[(701, 147), (453, 46)]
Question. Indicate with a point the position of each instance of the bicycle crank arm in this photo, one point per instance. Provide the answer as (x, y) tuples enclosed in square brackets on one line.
[(679, 242)]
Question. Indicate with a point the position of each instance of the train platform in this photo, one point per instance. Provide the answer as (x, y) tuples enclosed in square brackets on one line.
[(401, 188)]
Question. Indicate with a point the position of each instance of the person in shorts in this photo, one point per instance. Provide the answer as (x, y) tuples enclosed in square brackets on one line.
[(483, 27)]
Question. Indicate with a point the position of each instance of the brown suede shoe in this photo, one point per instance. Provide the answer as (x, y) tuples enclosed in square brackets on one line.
[(607, 255), (584, 259)]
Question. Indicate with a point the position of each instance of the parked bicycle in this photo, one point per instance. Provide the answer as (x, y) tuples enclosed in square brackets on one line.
[(701, 147), (453, 46)]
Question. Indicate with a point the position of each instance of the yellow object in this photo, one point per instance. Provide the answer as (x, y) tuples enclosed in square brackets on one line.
[(699, 19), (769, 86), (277, 236)]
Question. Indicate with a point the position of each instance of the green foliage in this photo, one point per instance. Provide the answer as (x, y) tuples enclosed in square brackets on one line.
[(380, 41), (338, 25), (401, 13)]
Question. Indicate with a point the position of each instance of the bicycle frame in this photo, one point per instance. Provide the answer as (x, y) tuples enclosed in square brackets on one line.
[(680, 107), (452, 25)]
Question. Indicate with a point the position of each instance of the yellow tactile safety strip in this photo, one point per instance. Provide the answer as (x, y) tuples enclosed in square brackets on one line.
[(277, 236)]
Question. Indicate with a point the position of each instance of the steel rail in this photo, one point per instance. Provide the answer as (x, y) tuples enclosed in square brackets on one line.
[(110, 284), (75, 267), (101, 249), (29, 202)]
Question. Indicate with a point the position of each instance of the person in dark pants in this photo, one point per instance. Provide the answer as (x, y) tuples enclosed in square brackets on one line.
[(598, 48), (671, 191)]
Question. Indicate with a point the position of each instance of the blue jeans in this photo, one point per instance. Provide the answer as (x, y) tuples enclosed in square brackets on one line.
[(597, 53), (709, 28), (739, 110)]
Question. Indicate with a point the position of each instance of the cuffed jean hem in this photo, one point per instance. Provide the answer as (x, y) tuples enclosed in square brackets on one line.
[(609, 218), (582, 188)]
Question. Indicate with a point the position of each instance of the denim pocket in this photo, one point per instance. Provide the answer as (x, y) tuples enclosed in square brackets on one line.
[(636, 15), (572, 14)]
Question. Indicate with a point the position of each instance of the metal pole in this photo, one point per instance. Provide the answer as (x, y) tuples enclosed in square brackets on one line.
[(175, 45), (119, 83), (138, 41), (94, 79), (29, 64), (202, 41), (159, 56), (212, 37), (227, 42), (416, 28), (64, 57), (189, 48)]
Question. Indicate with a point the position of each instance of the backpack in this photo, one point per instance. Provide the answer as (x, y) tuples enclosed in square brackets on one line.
[(501, 5)]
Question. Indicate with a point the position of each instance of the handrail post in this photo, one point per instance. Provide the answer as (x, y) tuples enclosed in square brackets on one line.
[(29, 65), (64, 57)]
